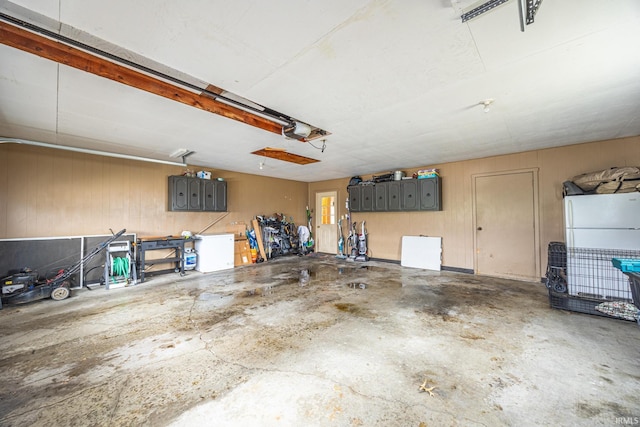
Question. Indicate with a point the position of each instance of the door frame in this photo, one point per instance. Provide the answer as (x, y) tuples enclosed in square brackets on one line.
[(318, 196), (536, 213)]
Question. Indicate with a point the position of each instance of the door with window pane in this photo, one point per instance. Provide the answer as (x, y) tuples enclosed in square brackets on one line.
[(326, 234)]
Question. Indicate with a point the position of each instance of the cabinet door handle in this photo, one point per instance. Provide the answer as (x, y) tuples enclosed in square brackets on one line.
[(479, 228)]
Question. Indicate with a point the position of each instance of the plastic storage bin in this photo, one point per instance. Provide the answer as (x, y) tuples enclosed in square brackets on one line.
[(626, 265)]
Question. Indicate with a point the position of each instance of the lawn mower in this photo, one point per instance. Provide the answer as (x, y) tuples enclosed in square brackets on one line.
[(27, 285)]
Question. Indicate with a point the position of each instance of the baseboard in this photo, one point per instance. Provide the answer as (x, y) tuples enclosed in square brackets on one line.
[(458, 269), (444, 267), (391, 261)]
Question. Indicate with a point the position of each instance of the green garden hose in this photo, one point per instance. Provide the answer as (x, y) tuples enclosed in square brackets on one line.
[(120, 267)]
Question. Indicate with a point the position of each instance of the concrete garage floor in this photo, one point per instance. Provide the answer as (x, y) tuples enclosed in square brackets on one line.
[(348, 344)]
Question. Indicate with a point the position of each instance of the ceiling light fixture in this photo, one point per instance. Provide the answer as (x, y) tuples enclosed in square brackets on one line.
[(487, 104), (183, 153)]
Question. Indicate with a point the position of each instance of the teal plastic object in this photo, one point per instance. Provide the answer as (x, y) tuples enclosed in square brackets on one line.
[(626, 265)]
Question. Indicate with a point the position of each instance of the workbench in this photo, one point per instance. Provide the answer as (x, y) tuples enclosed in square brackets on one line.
[(173, 243)]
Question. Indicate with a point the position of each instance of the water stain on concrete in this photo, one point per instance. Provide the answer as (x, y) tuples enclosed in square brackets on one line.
[(260, 337)]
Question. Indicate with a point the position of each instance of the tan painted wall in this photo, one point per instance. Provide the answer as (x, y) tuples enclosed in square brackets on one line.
[(46, 192), (455, 223)]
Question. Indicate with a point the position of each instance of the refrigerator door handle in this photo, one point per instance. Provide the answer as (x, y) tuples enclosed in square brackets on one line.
[(570, 206), (570, 218)]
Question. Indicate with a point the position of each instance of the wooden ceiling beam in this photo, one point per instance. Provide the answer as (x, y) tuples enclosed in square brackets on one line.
[(284, 156), (44, 47)]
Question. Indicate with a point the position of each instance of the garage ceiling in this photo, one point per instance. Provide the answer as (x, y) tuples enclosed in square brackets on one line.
[(397, 84)]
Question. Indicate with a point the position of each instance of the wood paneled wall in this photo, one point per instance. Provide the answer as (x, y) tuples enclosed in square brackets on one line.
[(46, 192), (455, 222)]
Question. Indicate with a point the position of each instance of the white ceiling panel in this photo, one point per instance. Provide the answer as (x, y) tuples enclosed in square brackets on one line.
[(28, 90), (398, 84), (49, 8)]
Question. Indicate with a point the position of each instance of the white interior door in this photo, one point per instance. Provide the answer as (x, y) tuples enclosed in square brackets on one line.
[(506, 225), (326, 225)]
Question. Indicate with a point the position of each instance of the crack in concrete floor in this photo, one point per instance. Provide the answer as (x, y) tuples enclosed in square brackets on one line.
[(240, 346)]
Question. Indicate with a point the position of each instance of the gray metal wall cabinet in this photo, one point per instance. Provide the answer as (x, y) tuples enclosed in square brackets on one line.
[(409, 192), (380, 197), (355, 193), (195, 194), (220, 196), (393, 194), (367, 198), (178, 193), (430, 194), (397, 196)]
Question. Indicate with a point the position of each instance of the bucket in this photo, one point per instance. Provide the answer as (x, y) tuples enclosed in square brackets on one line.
[(398, 175)]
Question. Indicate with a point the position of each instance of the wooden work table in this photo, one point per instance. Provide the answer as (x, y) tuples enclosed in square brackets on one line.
[(151, 243)]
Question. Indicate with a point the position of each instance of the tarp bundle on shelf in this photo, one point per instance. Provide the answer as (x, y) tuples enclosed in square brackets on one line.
[(624, 179)]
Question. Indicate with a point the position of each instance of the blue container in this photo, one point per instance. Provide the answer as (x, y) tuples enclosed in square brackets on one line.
[(190, 259), (626, 265)]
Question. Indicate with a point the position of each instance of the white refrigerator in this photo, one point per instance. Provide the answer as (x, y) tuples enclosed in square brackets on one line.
[(599, 227)]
